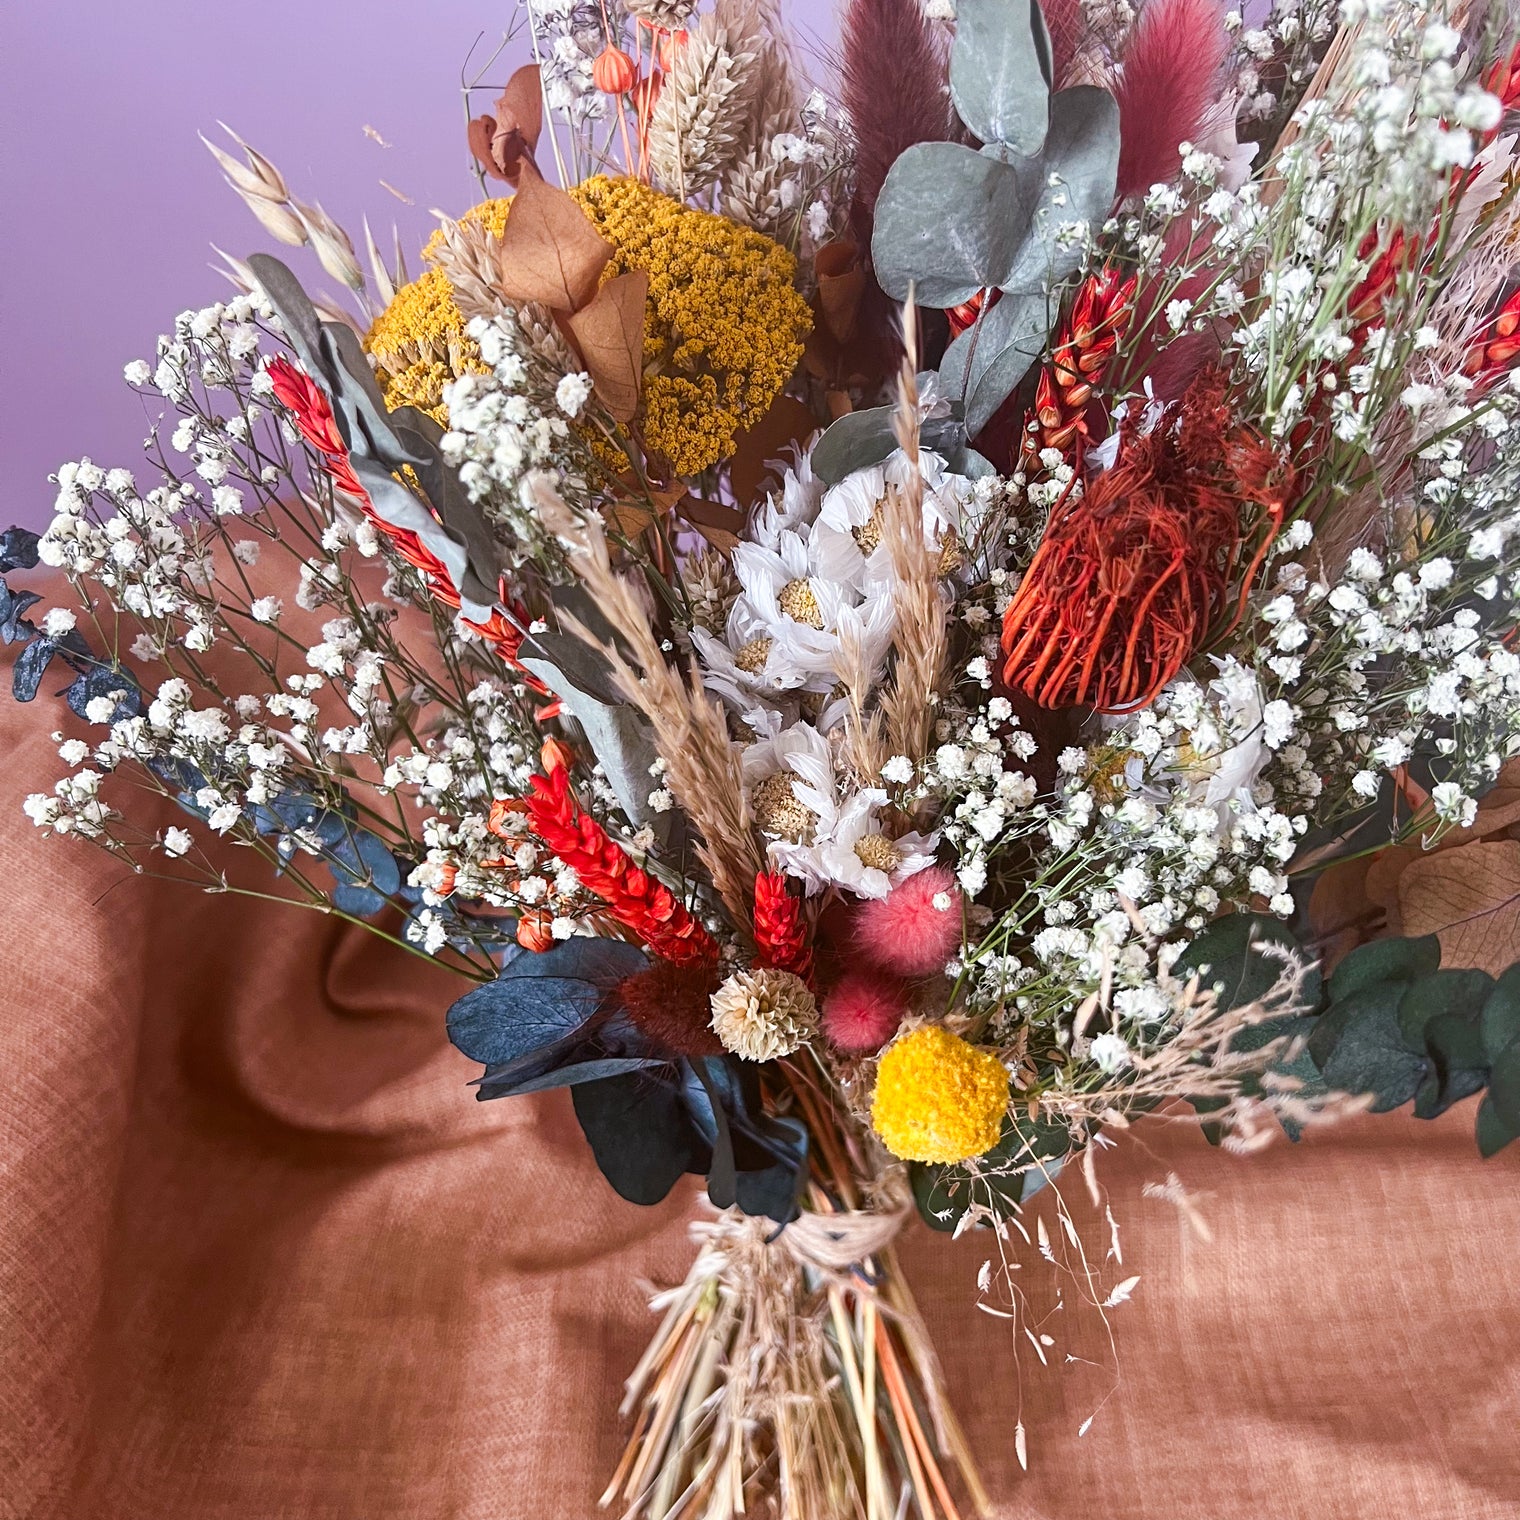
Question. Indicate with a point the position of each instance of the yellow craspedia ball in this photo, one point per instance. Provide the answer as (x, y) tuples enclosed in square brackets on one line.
[(939, 1098)]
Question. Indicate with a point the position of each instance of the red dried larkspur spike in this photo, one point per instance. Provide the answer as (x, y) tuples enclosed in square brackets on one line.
[(633, 897), (781, 931), (1084, 346), (1133, 577)]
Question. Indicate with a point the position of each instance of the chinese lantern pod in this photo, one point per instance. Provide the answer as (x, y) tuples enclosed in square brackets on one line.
[(614, 72)]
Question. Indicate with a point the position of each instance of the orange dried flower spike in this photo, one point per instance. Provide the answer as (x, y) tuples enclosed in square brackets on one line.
[(1086, 342), (1133, 577)]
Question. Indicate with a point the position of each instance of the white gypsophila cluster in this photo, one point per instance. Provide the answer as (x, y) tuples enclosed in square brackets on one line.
[(808, 176), (817, 597), (508, 424), (1290, 38), (567, 37)]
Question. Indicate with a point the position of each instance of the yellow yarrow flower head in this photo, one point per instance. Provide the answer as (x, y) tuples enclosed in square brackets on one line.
[(939, 1098), (724, 325), (420, 345)]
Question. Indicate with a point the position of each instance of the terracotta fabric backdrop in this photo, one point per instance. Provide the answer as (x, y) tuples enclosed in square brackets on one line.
[(262, 1255)]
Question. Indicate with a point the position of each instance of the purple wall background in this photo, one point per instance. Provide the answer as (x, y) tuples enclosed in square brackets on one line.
[(111, 203)]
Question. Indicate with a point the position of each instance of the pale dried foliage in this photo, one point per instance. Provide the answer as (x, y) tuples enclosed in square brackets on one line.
[(702, 121), (921, 642), (752, 187), (690, 729), (782, 1371)]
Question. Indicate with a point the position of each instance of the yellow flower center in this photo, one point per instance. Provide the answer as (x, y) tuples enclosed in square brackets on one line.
[(752, 656), (878, 853), (797, 601), (778, 812), (868, 534)]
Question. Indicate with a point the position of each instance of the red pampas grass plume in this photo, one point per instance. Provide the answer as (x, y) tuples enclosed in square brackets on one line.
[(668, 1003), (1169, 82), (862, 1011), (915, 928), (1065, 23)]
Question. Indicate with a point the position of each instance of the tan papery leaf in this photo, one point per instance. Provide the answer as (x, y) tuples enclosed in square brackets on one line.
[(841, 284), (1470, 899), (550, 252), (504, 143), (609, 333), (786, 421)]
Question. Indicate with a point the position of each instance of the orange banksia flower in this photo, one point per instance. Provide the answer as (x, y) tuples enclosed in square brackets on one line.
[(1134, 576), (633, 897)]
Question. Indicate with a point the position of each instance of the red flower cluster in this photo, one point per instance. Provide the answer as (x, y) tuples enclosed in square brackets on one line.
[(1084, 345), (781, 932), (1134, 576), (633, 897)]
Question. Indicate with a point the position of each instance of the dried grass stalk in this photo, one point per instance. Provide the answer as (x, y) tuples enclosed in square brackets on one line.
[(701, 122), (921, 642), (690, 728)]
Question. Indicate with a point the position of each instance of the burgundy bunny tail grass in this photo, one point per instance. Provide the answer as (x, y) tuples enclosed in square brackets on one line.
[(1169, 81), (893, 86), (1063, 20)]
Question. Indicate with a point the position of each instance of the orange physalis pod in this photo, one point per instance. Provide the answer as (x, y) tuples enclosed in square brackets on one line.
[(614, 72), (555, 755)]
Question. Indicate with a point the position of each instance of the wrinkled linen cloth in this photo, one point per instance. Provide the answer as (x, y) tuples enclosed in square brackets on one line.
[(262, 1255)]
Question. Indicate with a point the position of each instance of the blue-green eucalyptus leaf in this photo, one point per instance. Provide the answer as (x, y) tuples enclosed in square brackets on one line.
[(949, 222), (988, 360), (1072, 181), (997, 73)]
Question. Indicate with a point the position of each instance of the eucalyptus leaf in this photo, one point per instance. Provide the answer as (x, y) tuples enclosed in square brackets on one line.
[(949, 222), (1500, 1019), (998, 77), (985, 364), (620, 737), (640, 1133), (1077, 174)]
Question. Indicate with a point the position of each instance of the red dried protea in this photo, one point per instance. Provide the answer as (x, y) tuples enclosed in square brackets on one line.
[(1133, 577), (781, 931), (1085, 344), (633, 897)]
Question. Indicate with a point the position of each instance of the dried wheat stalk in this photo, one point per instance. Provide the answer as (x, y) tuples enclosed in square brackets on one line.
[(691, 731)]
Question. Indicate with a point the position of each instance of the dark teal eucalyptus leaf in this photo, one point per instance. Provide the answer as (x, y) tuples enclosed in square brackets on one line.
[(1492, 1132), (1504, 1088), (1238, 952), (998, 72), (1500, 1019), (640, 1133), (1456, 993), (949, 222), (1371, 1057), (1384, 960)]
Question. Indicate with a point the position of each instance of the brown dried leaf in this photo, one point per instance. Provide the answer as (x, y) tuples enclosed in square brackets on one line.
[(1470, 898), (550, 252), (609, 333), (504, 143), (1341, 913), (841, 284), (787, 421)]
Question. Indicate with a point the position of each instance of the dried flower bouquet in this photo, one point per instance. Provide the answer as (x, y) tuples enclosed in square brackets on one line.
[(889, 632)]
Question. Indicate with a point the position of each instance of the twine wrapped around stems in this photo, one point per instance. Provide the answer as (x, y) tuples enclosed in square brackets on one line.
[(793, 1376)]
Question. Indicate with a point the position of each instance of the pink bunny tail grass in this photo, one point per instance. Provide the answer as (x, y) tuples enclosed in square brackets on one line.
[(863, 1010), (1169, 81), (915, 928)]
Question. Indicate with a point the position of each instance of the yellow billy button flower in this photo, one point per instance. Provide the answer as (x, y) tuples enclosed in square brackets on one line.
[(939, 1098)]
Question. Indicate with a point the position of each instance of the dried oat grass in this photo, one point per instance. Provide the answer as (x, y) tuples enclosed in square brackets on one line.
[(690, 728)]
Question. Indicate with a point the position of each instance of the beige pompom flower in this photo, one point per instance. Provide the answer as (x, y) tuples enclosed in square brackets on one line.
[(763, 1014)]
